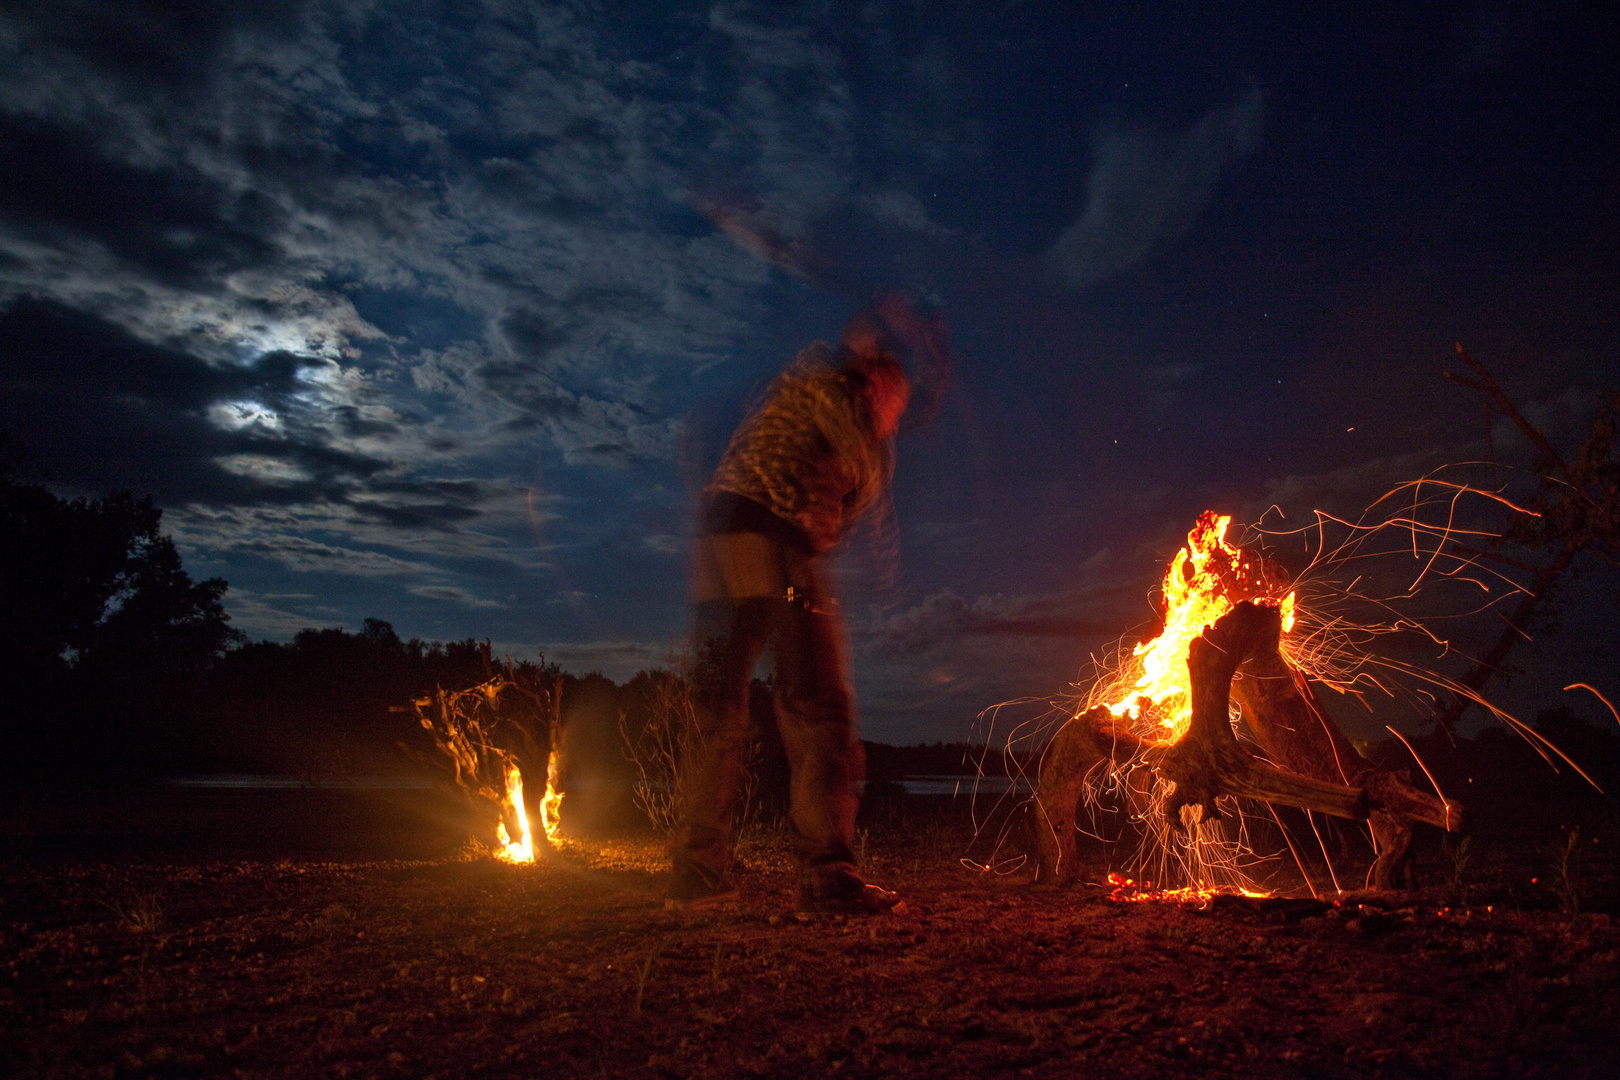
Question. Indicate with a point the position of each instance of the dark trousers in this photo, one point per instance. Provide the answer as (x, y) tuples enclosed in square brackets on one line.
[(755, 590)]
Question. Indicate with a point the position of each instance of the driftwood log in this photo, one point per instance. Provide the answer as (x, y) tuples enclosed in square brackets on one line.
[(1312, 765)]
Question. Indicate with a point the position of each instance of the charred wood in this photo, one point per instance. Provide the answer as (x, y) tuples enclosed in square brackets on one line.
[(1207, 762), (1287, 719), (1082, 746)]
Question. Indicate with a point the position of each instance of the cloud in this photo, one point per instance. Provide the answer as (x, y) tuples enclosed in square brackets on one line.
[(485, 260), (1147, 186), (452, 594), (417, 295), (245, 216), (664, 543), (276, 616), (334, 537), (311, 556), (99, 403), (902, 210), (105, 408), (618, 660), (943, 619)]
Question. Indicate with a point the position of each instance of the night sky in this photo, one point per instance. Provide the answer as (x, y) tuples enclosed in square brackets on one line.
[(439, 313)]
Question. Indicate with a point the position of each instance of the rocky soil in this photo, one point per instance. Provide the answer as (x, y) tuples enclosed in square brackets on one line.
[(175, 959)]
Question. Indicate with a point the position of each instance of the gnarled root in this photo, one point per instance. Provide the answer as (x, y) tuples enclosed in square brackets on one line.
[(1291, 726), (1079, 747), (1204, 764)]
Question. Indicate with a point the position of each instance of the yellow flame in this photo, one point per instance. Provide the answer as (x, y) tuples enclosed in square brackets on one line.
[(521, 851), (1152, 690), (551, 805), (1198, 589)]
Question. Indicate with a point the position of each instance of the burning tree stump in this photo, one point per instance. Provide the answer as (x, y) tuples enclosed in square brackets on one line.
[(1314, 767), (1207, 762), (486, 734)]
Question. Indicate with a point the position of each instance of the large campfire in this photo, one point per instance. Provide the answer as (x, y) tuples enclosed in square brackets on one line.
[(1160, 727)]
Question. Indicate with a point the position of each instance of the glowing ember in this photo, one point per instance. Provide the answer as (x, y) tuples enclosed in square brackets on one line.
[(1206, 579), (1128, 890), (522, 850)]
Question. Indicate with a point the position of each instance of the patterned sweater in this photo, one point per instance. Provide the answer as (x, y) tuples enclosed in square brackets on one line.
[(808, 453)]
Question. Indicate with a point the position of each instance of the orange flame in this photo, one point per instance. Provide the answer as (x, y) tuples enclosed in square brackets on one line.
[(1151, 689), (1206, 579), (521, 850), (551, 804)]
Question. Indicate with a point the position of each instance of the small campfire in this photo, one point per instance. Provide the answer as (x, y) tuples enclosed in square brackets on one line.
[(484, 734)]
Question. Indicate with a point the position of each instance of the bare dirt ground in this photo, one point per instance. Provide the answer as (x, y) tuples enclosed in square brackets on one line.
[(137, 955)]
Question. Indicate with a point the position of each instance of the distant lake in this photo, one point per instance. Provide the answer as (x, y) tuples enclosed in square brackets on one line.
[(965, 785)]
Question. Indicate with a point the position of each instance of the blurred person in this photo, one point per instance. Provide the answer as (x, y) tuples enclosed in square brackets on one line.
[(805, 465)]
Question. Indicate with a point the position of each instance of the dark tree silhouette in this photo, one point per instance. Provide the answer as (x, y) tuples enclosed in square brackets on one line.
[(102, 632), (327, 702), (1575, 513)]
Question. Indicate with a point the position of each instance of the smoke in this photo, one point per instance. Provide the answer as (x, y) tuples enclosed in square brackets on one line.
[(1147, 187)]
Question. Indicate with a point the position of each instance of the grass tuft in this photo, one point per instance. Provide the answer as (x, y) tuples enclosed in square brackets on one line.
[(140, 912)]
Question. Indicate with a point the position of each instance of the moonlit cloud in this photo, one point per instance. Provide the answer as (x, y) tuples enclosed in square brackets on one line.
[(461, 270), (944, 619), (278, 615), (1147, 186), (386, 298), (454, 595), (263, 240)]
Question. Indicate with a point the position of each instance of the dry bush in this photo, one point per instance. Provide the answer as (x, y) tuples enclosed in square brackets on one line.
[(656, 747), (663, 736), (141, 912)]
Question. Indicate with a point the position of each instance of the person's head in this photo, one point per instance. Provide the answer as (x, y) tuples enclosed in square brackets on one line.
[(913, 345), (868, 336), (874, 355), (887, 391)]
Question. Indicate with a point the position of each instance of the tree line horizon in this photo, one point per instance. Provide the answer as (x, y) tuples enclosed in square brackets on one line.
[(114, 661)]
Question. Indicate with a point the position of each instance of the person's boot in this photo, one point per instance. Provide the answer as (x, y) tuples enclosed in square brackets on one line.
[(694, 887), (843, 893)]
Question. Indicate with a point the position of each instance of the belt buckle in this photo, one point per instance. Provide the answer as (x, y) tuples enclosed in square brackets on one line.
[(808, 601)]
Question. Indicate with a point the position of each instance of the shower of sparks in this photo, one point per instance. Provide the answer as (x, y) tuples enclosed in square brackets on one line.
[(1416, 563)]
